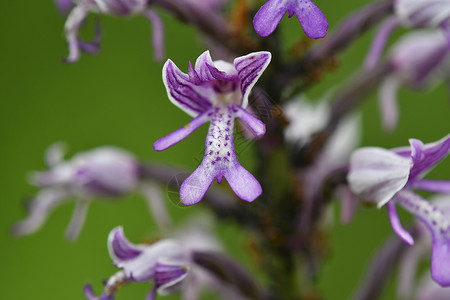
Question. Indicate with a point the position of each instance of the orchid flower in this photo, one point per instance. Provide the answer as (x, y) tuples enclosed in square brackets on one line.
[(418, 60), (121, 8), (103, 172), (389, 177), (309, 15), (165, 262), (216, 92), (410, 14)]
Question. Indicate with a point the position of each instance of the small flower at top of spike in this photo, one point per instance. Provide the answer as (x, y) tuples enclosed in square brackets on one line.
[(216, 92), (310, 16)]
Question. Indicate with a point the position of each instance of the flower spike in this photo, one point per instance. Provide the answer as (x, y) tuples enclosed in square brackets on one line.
[(215, 91), (310, 16)]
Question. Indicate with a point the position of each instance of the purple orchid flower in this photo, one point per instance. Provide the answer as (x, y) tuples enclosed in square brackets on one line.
[(419, 60), (410, 14), (311, 18), (165, 262), (389, 177), (217, 92), (121, 8), (103, 172)]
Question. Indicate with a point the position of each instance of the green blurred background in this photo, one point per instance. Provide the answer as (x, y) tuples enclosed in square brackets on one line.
[(117, 98)]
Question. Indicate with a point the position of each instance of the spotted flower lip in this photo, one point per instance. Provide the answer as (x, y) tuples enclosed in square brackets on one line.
[(388, 177), (105, 172), (310, 16), (165, 262), (121, 8), (215, 91)]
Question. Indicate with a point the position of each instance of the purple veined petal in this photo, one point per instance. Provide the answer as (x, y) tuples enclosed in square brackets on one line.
[(71, 27), (256, 126), (120, 248), (269, 16), (250, 67), (388, 102), (157, 34), (436, 186), (439, 226), (397, 226), (64, 6), (422, 13), (446, 28), (41, 206), (54, 154), (425, 157), (77, 220), (243, 183), (168, 275), (93, 46), (379, 42), (195, 186), (182, 92), (120, 7), (180, 134), (377, 174), (207, 70), (311, 18)]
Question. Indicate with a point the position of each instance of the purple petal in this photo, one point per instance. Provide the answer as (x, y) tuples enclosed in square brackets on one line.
[(182, 92), (157, 34), (93, 46), (269, 16), (388, 102), (72, 26), (243, 183), (207, 70), (439, 227), (425, 157), (256, 126), (312, 19), (195, 186), (180, 134), (121, 7), (436, 186), (379, 42), (377, 174), (119, 247), (167, 275), (77, 221), (41, 206), (397, 226), (250, 67)]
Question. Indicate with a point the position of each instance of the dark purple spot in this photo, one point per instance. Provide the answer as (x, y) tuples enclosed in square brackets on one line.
[(225, 159), (210, 152), (227, 137), (218, 159), (228, 153)]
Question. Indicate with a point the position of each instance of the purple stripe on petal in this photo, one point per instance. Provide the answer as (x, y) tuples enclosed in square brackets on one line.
[(182, 92), (269, 16), (311, 18), (168, 275), (71, 27), (180, 134), (206, 70), (119, 247), (250, 67), (397, 226)]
